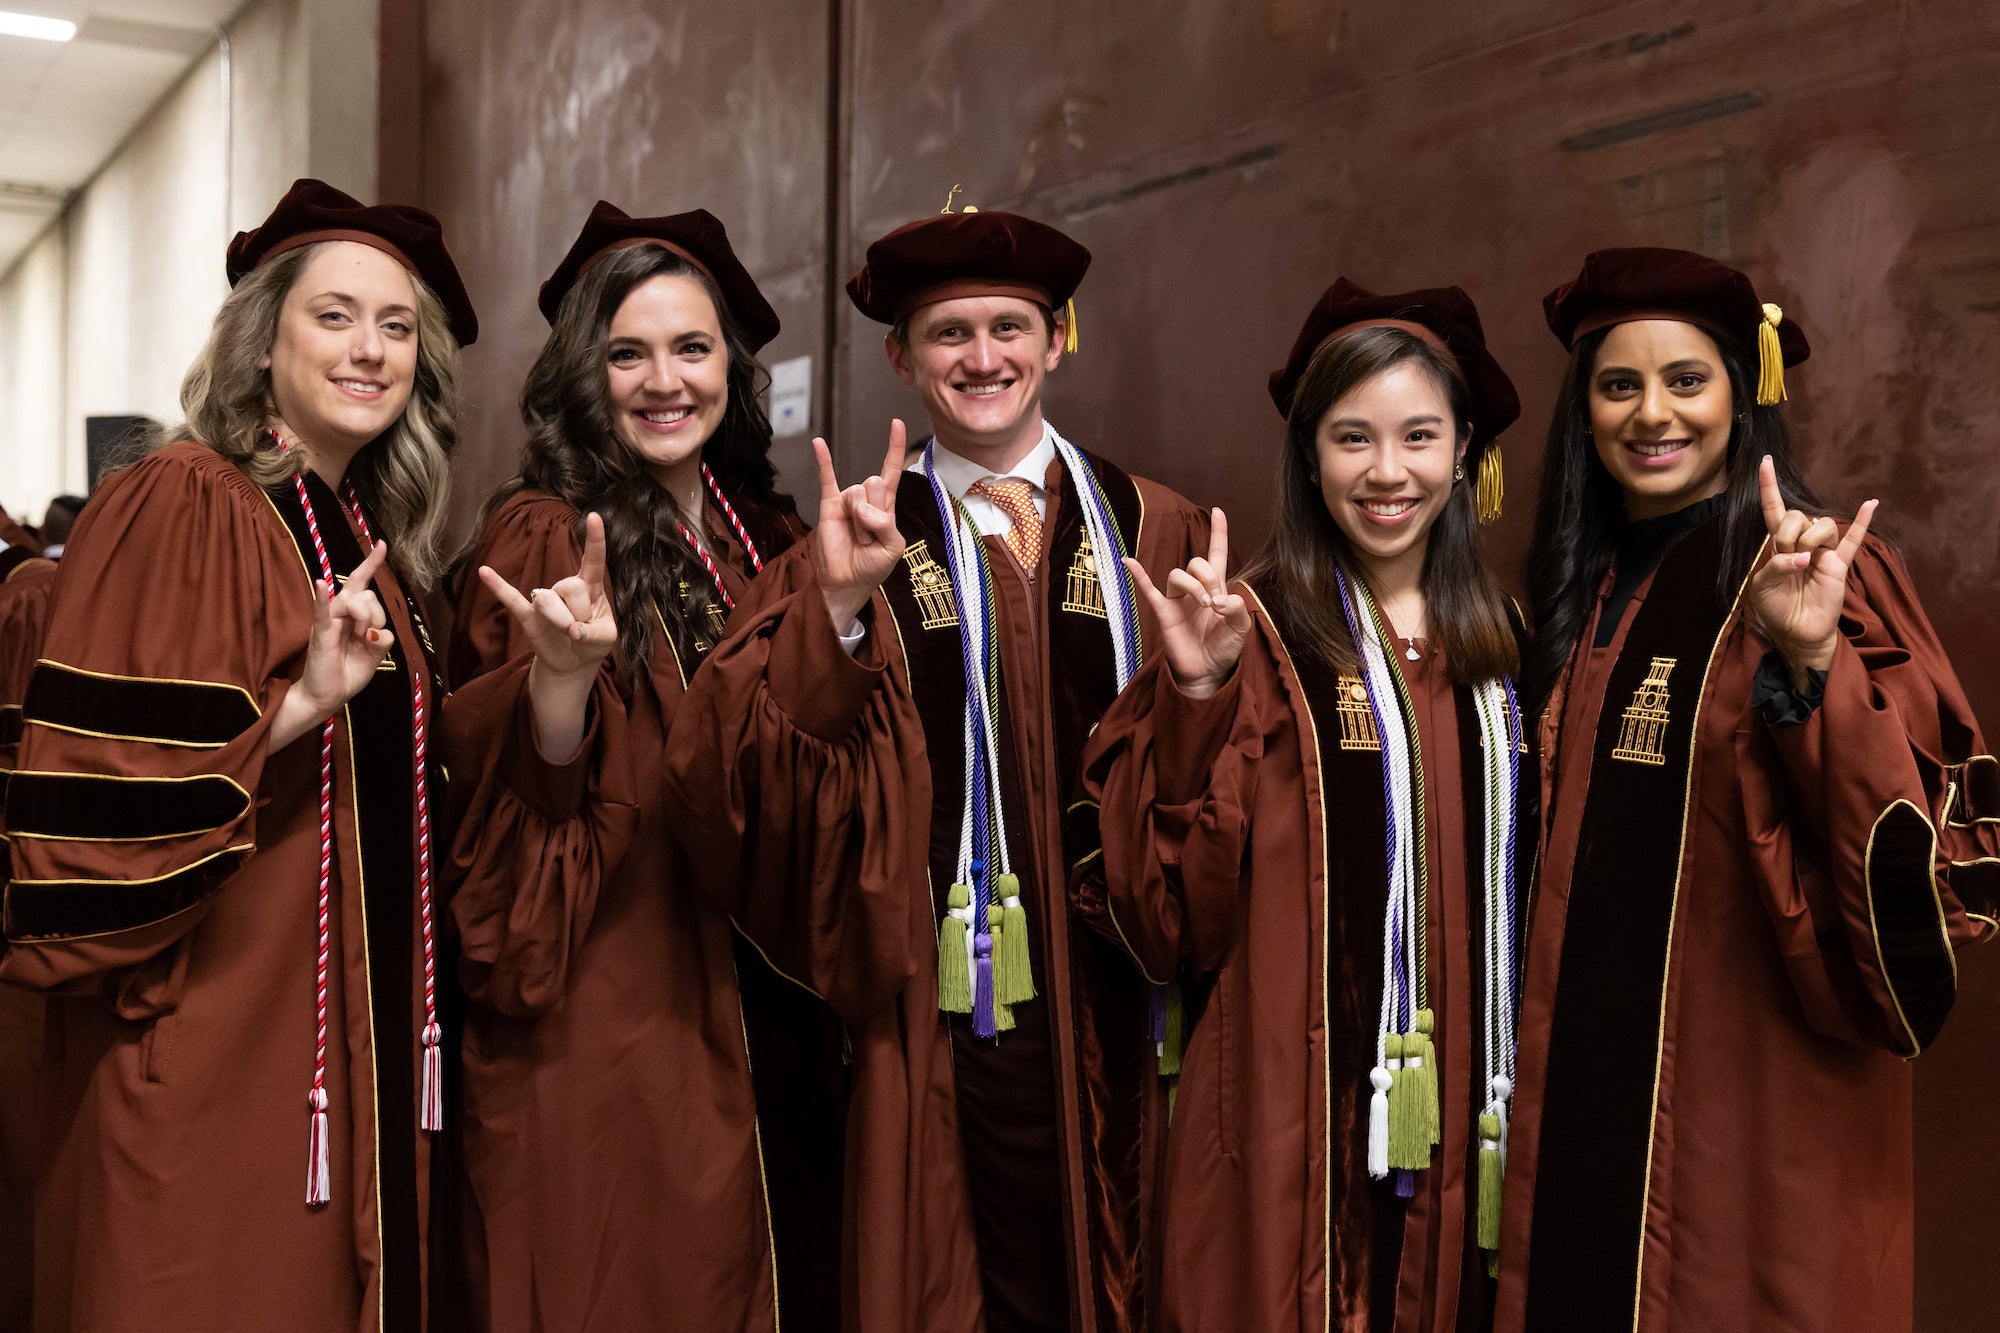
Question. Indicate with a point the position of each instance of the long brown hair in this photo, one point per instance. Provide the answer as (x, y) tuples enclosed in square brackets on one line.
[(575, 453), (1295, 570), (404, 474)]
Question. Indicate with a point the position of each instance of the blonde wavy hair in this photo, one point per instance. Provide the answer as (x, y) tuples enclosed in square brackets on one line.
[(404, 474)]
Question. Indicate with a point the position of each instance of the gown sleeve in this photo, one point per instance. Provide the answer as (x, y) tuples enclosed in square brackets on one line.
[(536, 839), (1175, 780), (177, 622), (1874, 823), (797, 780)]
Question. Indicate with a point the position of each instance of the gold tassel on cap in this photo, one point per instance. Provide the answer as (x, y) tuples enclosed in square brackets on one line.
[(1069, 328), (1770, 358), (1492, 485)]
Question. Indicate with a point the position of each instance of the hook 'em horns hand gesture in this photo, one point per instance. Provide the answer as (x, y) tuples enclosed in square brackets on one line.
[(1203, 625), (350, 637), (572, 630), (1795, 595), (857, 544)]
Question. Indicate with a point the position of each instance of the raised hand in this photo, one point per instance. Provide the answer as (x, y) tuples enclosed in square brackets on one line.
[(1794, 597), (856, 544), (570, 626), (350, 637), (1203, 625)]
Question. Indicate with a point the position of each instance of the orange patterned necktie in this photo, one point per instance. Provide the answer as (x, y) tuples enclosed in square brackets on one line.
[(1016, 499)]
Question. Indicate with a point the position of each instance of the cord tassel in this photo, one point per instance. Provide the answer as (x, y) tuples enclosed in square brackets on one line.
[(1491, 1174), (1069, 328), (1491, 488), (433, 1116), (1012, 974), (1378, 1123), (985, 1023), (955, 954), (319, 1169), (1770, 358), (1173, 1030), (1433, 1121)]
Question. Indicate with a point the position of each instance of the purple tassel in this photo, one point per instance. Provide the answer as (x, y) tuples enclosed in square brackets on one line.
[(1156, 1015), (982, 991), (1406, 1184)]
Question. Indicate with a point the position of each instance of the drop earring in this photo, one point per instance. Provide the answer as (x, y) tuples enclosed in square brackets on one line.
[(1458, 472)]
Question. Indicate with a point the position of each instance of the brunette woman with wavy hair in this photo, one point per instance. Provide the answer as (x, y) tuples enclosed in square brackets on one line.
[(1770, 825), (621, 1173), (1307, 802), (221, 822)]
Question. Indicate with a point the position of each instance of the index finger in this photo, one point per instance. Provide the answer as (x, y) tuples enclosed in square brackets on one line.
[(1218, 543), (892, 462), (1850, 545), (509, 596), (829, 486), (592, 572), (370, 565), (1768, 492)]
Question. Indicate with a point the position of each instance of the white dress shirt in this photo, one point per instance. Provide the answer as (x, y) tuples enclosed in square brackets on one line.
[(959, 475)]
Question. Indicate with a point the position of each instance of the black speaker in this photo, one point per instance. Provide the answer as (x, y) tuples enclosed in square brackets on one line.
[(110, 442)]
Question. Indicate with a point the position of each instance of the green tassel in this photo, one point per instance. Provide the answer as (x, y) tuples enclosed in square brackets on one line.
[(1013, 982), (1176, 1038), (1433, 1122), (954, 968), (1489, 1186), (1003, 1018), (1400, 1125)]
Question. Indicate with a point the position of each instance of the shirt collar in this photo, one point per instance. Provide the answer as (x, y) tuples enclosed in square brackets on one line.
[(958, 474)]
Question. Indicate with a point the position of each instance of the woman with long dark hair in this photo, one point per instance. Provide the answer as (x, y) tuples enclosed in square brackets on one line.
[(1769, 828), (1307, 806), (618, 1174), (221, 823)]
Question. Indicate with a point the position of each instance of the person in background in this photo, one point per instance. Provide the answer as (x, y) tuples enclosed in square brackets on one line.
[(57, 520), (25, 582)]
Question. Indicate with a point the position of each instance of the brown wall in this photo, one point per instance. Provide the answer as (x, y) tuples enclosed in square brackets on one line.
[(1226, 159)]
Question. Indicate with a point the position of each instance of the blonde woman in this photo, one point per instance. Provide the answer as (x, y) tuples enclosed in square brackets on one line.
[(221, 823)]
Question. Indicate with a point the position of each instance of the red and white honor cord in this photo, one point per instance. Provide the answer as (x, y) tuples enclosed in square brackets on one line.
[(318, 1162), (742, 535), (318, 1157), (431, 1115)]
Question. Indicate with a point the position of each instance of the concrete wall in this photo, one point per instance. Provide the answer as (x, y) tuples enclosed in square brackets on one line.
[(31, 378), (140, 248)]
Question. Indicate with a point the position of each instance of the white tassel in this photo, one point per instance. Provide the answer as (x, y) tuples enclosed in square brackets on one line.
[(1378, 1123), (433, 1113), (319, 1172), (1503, 1096)]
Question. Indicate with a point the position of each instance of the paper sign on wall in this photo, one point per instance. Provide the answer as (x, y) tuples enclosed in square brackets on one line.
[(791, 396)]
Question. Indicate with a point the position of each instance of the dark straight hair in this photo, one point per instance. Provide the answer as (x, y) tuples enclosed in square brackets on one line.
[(574, 451), (1295, 570), (1580, 513)]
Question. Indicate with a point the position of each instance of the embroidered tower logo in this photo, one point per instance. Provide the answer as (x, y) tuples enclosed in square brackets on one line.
[(1357, 719), (1086, 594), (932, 587), (1642, 738)]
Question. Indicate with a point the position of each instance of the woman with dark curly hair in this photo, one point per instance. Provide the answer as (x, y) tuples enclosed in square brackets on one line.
[(221, 822), (1769, 829), (613, 1143)]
